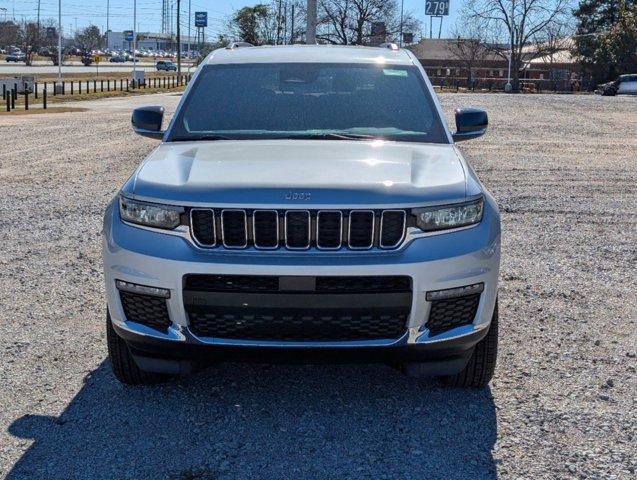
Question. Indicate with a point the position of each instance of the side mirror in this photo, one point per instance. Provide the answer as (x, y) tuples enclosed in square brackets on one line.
[(147, 121), (470, 123)]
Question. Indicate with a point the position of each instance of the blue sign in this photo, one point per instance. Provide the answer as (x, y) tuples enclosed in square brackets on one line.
[(201, 19), (437, 8), (129, 35)]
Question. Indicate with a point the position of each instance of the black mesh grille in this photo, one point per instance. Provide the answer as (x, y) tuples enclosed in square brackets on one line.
[(329, 229), (393, 228), (266, 233), (298, 229), (357, 229), (203, 226), (363, 284), (452, 312), (234, 228), (145, 309), (361, 229), (261, 283), (306, 325), (232, 283)]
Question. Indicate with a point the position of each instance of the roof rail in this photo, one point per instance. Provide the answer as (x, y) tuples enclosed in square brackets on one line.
[(235, 45), (390, 46)]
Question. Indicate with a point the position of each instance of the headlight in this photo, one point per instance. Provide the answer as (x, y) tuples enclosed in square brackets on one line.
[(149, 214), (449, 216)]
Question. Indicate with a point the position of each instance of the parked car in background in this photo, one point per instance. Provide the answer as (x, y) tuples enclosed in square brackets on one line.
[(166, 66), (117, 59), (16, 57), (624, 85)]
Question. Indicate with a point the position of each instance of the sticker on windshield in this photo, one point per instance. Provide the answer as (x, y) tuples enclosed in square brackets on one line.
[(395, 73)]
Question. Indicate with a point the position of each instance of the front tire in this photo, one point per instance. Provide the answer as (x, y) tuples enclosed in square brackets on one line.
[(122, 362), (481, 367)]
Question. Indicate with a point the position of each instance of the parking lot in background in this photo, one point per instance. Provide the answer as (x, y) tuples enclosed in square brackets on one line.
[(563, 170)]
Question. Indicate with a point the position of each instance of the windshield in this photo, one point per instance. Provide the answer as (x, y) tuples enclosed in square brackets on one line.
[(302, 100)]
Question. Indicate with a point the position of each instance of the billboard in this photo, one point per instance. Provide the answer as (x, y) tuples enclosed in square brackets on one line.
[(437, 8), (129, 35), (51, 33), (201, 19)]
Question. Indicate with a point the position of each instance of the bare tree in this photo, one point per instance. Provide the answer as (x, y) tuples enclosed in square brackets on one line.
[(469, 47), (89, 38), (9, 33), (348, 22), (522, 24)]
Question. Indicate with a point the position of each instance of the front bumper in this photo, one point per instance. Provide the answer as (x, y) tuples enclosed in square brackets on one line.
[(436, 262)]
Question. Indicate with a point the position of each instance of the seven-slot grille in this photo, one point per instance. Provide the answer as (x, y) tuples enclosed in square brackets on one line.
[(298, 229)]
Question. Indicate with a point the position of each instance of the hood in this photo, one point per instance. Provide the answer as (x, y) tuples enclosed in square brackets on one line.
[(301, 172)]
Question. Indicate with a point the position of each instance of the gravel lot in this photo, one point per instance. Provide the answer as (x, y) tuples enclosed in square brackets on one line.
[(562, 405)]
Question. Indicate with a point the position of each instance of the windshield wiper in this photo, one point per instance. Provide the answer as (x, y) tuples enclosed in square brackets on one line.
[(197, 138), (333, 136)]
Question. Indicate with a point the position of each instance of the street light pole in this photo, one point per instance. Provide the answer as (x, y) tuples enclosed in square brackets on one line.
[(178, 39), (402, 17), (189, 24), (60, 43), (508, 87), (310, 34), (108, 14), (134, 39)]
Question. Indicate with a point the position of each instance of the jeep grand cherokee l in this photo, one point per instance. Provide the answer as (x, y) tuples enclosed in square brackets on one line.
[(308, 203)]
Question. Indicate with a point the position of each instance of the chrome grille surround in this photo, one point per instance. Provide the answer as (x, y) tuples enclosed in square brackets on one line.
[(349, 229), (223, 228), (247, 229), (404, 229), (255, 230), (309, 230), (318, 223), (213, 226)]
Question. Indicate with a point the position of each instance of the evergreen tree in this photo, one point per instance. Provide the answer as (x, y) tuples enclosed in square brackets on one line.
[(606, 40)]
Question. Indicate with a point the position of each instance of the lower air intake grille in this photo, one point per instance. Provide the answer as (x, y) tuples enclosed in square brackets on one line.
[(146, 309), (453, 312), (309, 325)]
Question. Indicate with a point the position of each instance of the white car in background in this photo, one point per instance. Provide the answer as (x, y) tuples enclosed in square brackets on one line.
[(624, 85)]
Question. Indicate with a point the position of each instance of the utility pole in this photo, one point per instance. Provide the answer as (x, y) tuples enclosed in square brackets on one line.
[(59, 44), (509, 87), (178, 40), (189, 24), (39, 17), (278, 25), (108, 13), (134, 39), (402, 20), (292, 27), (310, 34)]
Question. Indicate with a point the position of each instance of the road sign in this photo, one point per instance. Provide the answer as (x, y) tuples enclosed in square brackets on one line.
[(97, 59), (437, 8), (51, 33), (201, 19), (129, 35)]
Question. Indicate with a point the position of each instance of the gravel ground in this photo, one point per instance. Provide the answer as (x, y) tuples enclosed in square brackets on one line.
[(562, 405)]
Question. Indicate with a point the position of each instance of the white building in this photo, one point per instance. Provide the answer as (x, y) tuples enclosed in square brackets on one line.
[(149, 41)]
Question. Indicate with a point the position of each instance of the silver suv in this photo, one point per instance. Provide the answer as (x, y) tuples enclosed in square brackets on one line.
[(306, 203)]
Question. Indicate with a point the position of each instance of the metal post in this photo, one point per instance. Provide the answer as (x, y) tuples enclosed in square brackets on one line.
[(72, 82), (26, 99), (44, 95), (8, 103), (178, 37), (59, 41), (134, 37), (509, 86), (292, 26), (189, 24), (311, 22), (4, 91), (13, 95), (35, 89), (402, 20)]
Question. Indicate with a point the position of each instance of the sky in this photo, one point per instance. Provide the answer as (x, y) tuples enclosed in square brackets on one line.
[(80, 13)]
